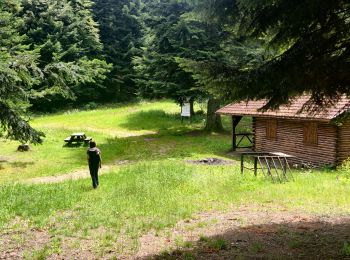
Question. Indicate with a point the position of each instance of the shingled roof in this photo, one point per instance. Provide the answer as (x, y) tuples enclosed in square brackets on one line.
[(299, 108)]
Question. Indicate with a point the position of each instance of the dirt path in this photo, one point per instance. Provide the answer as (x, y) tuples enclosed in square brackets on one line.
[(75, 175)]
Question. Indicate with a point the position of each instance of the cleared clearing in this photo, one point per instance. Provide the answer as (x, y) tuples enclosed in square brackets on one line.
[(152, 203)]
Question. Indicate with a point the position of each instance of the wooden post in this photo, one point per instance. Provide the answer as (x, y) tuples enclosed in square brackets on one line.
[(235, 121), (255, 166), (234, 139)]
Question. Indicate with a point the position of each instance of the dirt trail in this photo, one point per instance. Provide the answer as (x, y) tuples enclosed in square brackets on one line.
[(75, 175)]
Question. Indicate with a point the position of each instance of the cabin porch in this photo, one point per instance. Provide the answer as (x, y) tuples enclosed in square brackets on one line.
[(242, 140)]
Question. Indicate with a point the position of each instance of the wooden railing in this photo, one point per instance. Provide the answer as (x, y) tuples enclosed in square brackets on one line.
[(240, 138)]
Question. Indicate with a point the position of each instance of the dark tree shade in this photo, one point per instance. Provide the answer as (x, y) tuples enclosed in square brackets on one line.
[(306, 47)]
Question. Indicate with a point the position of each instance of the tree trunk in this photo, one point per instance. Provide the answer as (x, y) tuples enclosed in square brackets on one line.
[(192, 106), (213, 123)]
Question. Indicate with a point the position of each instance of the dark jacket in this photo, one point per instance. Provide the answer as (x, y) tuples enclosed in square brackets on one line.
[(94, 156)]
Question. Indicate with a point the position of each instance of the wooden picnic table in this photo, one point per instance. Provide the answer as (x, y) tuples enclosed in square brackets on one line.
[(78, 138)]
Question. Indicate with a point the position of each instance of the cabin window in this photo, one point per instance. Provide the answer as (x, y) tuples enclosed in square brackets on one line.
[(310, 134), (271, 129)]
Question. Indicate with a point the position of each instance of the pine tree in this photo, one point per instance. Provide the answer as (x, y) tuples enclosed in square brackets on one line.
[(121, 33), (174, 35), (159, 73), (296, 47), (18, 73), (66, 38)]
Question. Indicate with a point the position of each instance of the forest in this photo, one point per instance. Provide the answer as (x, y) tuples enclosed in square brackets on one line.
[(97, 161), (76, 53)]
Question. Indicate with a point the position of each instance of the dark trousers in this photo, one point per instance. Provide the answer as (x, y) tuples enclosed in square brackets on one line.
[(94, 174)]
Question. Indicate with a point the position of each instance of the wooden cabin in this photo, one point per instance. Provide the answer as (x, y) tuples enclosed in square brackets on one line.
[(315, 135)]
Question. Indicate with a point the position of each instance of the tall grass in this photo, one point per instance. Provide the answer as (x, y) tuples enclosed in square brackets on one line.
[(158, 194)]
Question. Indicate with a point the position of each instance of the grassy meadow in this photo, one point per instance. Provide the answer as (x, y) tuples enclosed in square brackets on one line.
[(149, 186)]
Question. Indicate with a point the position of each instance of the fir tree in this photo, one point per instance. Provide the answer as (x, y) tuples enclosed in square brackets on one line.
[(18, 73), (66, 38), (300, 46), (159, 73), (121, 33), (174, 35)]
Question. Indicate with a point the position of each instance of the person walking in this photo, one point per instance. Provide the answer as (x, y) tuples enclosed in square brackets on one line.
[(94, 160)]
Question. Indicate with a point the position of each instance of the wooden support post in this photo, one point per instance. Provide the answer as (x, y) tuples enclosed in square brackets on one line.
[(234, 137), (235, 121), (255, 166)]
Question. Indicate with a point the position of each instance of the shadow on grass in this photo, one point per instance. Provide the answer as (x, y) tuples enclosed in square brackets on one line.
[(296, 240), (75, 145), (2, 162), (171, 139), (16, 164), (21, 164), (157, 120), (175, 144), (71, 109)]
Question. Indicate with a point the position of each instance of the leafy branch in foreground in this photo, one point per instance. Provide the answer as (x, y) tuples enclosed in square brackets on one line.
[(16, 127)]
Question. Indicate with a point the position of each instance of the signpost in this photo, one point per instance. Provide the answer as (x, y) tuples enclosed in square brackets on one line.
[(186, 111)]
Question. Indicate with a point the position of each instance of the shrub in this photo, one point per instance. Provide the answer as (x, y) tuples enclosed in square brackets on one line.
[(346, 249), (90, 106)]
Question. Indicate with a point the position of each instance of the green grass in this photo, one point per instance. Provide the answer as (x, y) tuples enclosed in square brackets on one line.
[(158, 194), (156, 191), (218, 244), (121, 132)]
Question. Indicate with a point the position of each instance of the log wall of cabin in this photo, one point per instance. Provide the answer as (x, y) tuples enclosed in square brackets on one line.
[(344, 141), (290, 140)]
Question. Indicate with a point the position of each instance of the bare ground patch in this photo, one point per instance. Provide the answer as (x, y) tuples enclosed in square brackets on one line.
[(18, 238), (250, 233), (20, 241), (76, 175), (246, 232), (211, 161)]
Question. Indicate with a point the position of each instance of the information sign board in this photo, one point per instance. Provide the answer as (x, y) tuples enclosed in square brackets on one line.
[(186, 110)]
